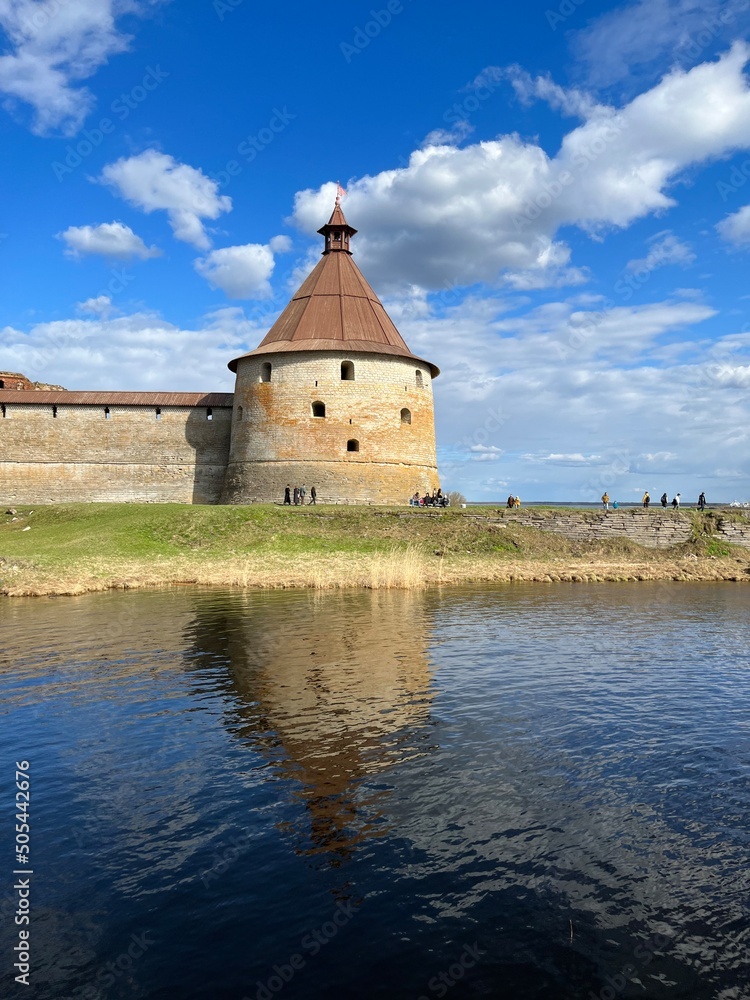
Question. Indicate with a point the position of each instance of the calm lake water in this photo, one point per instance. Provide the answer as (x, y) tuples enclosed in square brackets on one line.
[(517, 792)]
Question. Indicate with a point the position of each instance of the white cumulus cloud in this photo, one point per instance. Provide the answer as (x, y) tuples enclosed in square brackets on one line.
[(576, 395), (485, 453), (113, 240), (99, 306), (240, 272), (155, 181), (280, 244), (735, 228), (53, 46), (491, 211), (139, 351)]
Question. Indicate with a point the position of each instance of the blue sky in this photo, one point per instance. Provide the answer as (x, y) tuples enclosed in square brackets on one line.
[(553, 202)]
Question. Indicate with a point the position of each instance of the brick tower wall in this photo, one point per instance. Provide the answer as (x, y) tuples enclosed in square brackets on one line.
[(276, 439)]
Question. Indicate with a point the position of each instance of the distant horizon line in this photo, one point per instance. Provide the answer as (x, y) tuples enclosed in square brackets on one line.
[(598, 503)]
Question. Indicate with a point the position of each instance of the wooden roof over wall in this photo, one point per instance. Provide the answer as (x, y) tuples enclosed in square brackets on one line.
[(105, 398)]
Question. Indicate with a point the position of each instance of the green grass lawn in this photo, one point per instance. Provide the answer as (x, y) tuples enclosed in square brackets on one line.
[(67, 532), (150, 542)]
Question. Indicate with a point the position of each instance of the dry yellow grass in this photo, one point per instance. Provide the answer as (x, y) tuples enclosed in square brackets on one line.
[(398, 569)]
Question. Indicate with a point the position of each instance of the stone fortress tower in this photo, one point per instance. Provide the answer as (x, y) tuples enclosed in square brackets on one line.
[(332, 396)]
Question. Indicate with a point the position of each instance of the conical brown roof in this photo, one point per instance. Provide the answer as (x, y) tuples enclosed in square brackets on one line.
[(335, 310), (337, 219)]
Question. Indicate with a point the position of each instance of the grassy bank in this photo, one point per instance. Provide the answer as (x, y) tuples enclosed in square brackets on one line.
[(74, 548)]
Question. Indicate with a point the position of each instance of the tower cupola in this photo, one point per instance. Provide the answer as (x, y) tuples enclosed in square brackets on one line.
[(337, 231)]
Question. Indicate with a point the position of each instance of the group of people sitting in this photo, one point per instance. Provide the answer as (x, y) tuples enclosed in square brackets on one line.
[(436, 499)]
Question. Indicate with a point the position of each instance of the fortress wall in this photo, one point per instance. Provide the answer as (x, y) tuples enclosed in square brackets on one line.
[(651, 528), (654, 528), (735, 532), (82, 455), (335, 482), (277, 440)]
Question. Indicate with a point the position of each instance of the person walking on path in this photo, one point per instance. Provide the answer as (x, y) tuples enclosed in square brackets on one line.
[(676, 501), (511, 500), (313, 496), (605, 500), (664, 500), (702, 501), (287, 494), (646, 499), (302, 494), (516, 501), (296, 496)]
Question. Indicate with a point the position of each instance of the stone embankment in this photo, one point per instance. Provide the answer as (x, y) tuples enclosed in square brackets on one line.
[(653, 528)]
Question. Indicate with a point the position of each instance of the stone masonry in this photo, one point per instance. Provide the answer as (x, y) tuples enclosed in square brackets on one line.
[(654, 529), (67, 453), (361, 433), (386, 408)]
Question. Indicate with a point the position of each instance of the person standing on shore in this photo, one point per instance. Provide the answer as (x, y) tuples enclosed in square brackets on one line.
[(646, 499), (605, 500), (287, 494), (313, 496), (702, 501), (664, 500), (676, 501)]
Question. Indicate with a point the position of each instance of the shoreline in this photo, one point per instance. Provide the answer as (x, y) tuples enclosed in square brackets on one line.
[(399, 571), (68, 550)]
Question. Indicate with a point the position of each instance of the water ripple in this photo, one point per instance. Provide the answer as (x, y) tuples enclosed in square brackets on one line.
[(554, 777)]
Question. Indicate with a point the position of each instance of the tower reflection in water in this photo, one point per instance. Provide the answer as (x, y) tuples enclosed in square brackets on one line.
[(332, 689)]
